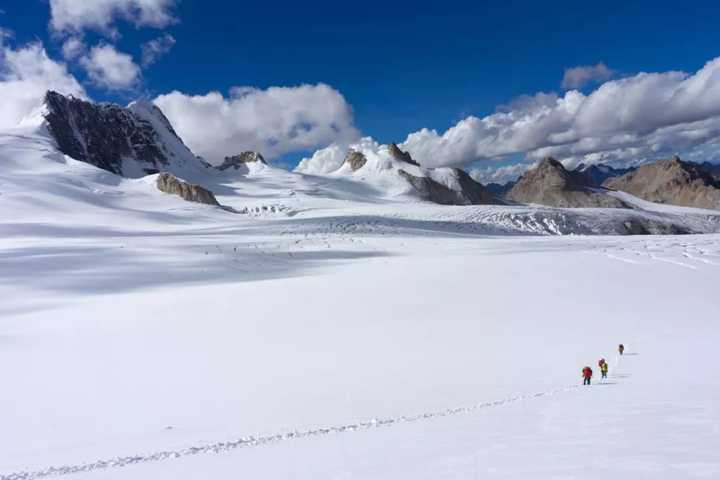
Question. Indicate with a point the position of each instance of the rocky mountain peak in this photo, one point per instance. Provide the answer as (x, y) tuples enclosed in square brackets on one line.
[(241, 160), (551, 174), (671, 181), (132, 141), (401, 155), (550, 183)]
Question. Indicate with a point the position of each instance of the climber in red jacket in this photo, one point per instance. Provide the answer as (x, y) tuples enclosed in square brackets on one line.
[(587, 375)]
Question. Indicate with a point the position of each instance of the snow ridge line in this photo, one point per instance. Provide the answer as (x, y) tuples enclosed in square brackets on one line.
[(251, 441)]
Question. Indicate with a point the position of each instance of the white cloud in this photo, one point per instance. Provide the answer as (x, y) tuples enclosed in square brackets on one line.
[(502, 174), (273, 121), (111, 69), (73, 48), (323, 161), (578, 77), (5, 33), (648, 114), (25, 75), (68, 16), (154, 49)]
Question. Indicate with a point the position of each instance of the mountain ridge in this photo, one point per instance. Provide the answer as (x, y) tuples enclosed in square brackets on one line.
[(551, 184), (672, 181)]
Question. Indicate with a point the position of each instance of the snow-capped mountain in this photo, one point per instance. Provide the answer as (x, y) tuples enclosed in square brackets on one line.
[(132, 142), (395, 174), (75, 159)]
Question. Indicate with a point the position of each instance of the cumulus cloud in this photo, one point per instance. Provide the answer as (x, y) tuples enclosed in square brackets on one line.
[(323, 161), (274, 121), (645, 115), (73, 48), (26, 74), (502, 174), (577, 77), (154, 49), (73, 16), (5, 33), (110, 69)]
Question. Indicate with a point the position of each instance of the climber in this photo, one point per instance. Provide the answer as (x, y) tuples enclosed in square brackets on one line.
[(603, 368)]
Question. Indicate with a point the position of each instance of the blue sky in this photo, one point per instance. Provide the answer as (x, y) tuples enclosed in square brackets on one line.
[(402, 66)]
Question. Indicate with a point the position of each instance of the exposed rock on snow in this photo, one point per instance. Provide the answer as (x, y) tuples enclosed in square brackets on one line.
[(355, 160), (671, 181), (132, 142), (469, 193), (551, 184), (169, 183), (398, 154), (241, 160), (393, 173)]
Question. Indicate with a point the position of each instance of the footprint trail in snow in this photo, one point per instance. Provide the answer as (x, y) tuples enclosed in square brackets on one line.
[(252, 441)]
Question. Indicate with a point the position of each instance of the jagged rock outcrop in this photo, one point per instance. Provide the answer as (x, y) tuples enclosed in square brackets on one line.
[(241, 160), (671, 181), (401, 155), (355, 160), (596, 174), (551, 184), (131, 141), (469, 193), (169, 183)]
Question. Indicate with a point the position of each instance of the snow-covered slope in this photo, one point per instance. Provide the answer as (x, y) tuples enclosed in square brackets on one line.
[(145, 337), (436, 354)]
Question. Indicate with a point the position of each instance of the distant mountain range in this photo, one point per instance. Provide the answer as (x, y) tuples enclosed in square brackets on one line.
[(671, 181), (139, 140)]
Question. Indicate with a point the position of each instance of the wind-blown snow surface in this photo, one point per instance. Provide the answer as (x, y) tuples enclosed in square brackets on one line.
[(132, 323)]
